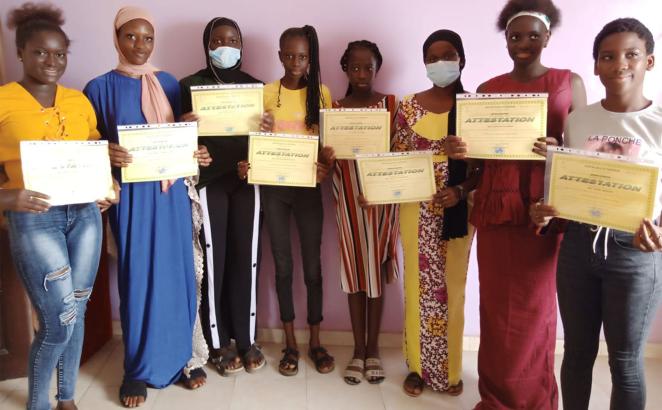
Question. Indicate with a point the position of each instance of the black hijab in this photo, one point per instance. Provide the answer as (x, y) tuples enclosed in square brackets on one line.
[(232, 75), (455, 218)]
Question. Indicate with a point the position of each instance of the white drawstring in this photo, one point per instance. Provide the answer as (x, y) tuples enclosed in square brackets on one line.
[(598, 230)]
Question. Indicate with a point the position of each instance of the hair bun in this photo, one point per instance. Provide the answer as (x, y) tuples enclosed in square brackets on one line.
[(29, 12)]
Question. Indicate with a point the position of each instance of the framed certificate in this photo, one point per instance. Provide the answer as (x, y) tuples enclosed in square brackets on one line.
[(352, 131), (160, 151), (396, 177), (501, 126), (283, 159), (601, 189), (70, 172), (228, 109)]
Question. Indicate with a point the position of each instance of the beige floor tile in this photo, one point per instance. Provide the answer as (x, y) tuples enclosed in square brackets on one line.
[(106, 398), (216, 395), (260, 391), (15, 400)]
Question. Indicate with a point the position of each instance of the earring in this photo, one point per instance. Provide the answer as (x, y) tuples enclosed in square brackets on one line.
[(20, 59)]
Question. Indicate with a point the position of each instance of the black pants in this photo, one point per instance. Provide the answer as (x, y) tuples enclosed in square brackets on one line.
[(306, 205), (231, 241), (619, 290)]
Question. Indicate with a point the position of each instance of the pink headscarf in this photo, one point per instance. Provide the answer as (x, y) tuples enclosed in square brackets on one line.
[(154, 102)]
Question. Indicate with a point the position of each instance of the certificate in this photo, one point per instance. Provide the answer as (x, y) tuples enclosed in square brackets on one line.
[(601, 189), (159, 151), (352, 131), (501, 126), (70, 172), (396, 177), (283, 159), (228, 109)]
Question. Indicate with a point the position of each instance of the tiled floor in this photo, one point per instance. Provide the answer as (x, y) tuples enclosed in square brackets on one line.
[(100, 378)]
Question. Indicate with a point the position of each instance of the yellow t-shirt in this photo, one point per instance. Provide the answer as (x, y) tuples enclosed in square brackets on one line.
[(290, 117), (22, 118)]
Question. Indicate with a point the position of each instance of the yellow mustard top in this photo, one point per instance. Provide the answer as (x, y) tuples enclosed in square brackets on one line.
[(290, 117), (23, 118)]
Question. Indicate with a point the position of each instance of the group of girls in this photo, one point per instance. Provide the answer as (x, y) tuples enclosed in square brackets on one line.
[(188, 249)]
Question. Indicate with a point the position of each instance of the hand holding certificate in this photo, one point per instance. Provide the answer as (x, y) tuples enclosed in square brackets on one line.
[(159, 151), (283, 159), (70, 172), (356, 131), (228, 109), (396, 177), (601, 189), (501, 126)]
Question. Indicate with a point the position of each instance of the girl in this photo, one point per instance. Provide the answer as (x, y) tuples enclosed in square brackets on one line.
[(295, 101), (153, 225), (231, 211), (368, 235), (435, 236), (616, 285), (56, 249), (516, 267)]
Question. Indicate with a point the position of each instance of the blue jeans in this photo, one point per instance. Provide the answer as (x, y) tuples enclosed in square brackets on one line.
[(620, 292), (56, 255)]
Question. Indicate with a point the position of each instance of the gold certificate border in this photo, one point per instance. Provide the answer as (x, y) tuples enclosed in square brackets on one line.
[(541, 101), (311, 141), (555, 169), (196, 94), (431, 177), (385, 122)]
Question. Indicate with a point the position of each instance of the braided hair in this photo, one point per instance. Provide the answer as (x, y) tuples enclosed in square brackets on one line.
[(365, 44), (314, 79), (32, 18)]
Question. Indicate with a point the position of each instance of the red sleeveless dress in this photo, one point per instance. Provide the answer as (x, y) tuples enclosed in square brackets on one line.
[(517, 268)]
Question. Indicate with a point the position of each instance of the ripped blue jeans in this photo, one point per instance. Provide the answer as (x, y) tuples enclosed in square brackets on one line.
[(56, 255)]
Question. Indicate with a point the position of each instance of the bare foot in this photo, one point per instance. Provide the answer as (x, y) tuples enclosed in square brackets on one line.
[(66, 405)]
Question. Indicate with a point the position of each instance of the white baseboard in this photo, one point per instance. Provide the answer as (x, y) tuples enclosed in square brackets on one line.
[(345, 338)]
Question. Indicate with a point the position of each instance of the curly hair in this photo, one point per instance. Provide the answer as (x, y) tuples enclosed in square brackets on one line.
[(513, 7), (31, 18), (625, 25)]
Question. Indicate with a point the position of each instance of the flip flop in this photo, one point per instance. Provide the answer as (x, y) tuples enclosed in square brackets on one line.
[(374, 372)]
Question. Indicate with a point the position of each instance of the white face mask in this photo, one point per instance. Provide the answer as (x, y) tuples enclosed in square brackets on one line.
[(442, 73), (225, 57)]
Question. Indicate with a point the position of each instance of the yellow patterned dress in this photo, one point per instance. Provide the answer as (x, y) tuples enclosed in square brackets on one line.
[(435, 269)]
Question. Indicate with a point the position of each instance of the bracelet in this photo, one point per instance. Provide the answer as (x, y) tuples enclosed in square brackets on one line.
[(461, 192)]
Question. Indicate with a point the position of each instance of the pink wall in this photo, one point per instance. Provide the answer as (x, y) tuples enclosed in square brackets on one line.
[(398, 28)]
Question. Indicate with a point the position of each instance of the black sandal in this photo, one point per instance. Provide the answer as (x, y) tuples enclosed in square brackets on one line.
[(320, 356), (198, 373), (223, 363), (255, 357), (289, 364), (133, 388), (415, 381)]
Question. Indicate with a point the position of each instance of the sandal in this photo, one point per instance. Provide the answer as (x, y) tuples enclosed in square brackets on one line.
[(456, 389), (353, 372), (224, 363), (374, 372), (414, 382), (253, 359), (289, 364), (133, 388), (192, 381), (320, 357)]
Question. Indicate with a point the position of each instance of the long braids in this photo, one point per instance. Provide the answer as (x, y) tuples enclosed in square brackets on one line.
[(369, 45), (314, 78)]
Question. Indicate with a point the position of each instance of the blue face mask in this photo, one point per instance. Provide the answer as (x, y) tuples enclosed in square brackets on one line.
[(442, 73), (225, 57)]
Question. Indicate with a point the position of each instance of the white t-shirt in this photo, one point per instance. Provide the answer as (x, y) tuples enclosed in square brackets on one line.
[(636, 133)]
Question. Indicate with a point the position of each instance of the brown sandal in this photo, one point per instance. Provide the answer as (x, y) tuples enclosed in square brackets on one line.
[(320, 356), (456, 389), (289, 364), (415, 382)]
